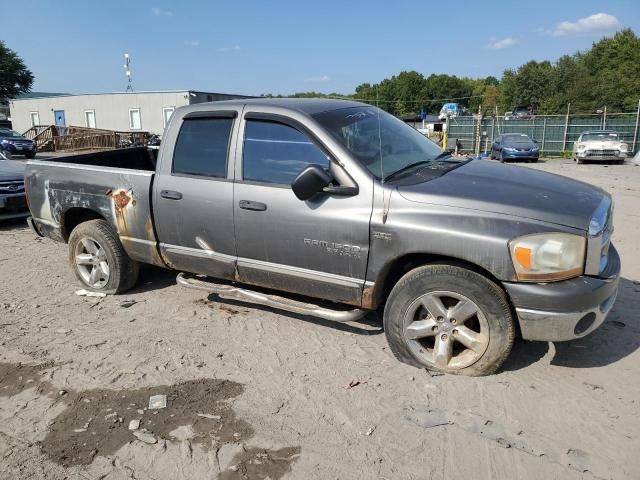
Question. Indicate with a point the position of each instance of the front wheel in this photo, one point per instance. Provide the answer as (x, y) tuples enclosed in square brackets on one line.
[(99, 260), (450, 319)]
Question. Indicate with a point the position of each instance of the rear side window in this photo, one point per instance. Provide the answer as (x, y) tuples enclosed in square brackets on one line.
[(277, 153), (202, 147)]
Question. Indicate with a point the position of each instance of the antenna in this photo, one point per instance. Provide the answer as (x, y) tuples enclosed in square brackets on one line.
[(385, 202), (127, 72)]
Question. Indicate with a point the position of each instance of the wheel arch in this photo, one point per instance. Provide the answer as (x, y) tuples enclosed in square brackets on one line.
[(74, 217), (376, 295)]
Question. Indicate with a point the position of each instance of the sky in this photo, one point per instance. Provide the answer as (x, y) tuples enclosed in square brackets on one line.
[(281, 46)]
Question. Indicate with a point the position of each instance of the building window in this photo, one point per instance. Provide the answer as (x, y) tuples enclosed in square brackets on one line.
[(166, 114), (202, 147), (35, 118), (135, 121), (90, 118), (277, 153)]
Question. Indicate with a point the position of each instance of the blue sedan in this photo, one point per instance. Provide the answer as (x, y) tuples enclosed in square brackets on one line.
[(514, 146)]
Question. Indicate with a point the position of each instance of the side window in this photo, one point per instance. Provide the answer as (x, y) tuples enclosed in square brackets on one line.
[(202, 147), (277, 153)]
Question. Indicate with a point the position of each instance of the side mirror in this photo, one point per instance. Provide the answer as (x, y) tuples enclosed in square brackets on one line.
[(310, 181)]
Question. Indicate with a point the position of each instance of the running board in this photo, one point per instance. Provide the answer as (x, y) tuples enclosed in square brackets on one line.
[(231, 292)]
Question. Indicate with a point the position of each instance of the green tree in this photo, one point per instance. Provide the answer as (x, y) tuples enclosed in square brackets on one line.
[(15, 78)]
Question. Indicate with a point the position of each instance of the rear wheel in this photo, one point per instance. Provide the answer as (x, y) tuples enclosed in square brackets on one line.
[(99, 260), (30, 155), (450, 319)]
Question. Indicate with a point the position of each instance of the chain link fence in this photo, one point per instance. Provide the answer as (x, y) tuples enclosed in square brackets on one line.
[(555, 134)]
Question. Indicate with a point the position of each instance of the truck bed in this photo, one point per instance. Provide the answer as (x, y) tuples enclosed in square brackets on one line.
[(130, 158), (115, 185)]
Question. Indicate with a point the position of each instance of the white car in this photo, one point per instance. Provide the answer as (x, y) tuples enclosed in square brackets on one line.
[(600, 145)]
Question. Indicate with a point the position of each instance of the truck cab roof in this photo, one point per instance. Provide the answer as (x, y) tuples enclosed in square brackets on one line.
[(308, 106)]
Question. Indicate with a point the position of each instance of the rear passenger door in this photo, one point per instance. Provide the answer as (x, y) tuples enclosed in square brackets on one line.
[(316, 247), (194, 195)]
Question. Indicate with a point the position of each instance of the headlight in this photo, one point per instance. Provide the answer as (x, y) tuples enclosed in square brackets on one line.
[(581, 146), (548, 257), (624, 147)]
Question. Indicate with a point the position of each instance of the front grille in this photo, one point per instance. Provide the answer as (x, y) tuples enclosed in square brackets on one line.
[(11, 188), (602, 153)]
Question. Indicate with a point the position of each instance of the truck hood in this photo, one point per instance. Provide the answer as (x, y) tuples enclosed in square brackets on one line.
[(11, 170), (510, 190), (598, 145)]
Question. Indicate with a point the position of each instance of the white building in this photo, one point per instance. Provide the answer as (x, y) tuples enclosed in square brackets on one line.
[(126, 112)]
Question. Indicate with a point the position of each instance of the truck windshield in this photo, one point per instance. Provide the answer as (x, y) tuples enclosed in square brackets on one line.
[(381, 142), (5, 132), (600, 136)]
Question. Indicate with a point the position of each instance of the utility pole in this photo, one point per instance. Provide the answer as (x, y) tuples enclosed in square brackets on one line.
[(478, 134), (127, 71), (566, 127), (635, 132)]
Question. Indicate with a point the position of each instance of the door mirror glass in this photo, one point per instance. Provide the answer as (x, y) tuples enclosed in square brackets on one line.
[(310, 181)]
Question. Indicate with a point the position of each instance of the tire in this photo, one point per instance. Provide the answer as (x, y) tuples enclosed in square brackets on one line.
[(120, 273), (579, 162), (534, 160), (30, 155), (492, 323)]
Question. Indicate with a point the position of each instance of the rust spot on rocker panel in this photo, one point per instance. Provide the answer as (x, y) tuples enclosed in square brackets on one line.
[(369, 297)]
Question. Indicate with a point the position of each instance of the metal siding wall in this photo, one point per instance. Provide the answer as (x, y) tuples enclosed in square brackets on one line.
[(112, 110)]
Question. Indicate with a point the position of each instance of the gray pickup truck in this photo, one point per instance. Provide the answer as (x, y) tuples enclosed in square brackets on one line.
[(339, 201)]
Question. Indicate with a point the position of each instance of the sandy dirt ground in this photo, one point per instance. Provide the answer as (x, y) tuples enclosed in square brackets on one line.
[(256, 393)]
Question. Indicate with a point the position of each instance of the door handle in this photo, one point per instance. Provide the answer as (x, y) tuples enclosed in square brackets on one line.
[(170, 195), (255, 206)]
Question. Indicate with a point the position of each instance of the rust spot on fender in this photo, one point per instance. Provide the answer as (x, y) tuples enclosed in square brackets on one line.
[(121, 200)]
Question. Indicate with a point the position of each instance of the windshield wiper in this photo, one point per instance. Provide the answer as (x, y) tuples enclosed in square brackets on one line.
[(407, 168), (445, 154)]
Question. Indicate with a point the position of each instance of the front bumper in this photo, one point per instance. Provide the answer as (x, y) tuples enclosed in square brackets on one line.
[(13, 206), (531, 154), (609, 157), (566, 310)]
